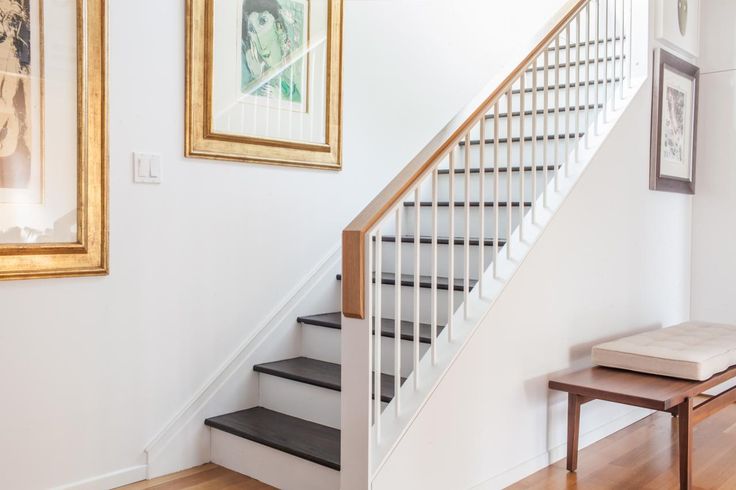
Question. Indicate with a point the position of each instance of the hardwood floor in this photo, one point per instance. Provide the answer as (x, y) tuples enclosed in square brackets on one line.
[(644, 456), (205, 477)]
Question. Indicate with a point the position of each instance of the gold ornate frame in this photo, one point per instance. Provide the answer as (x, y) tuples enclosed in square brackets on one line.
[(89, 255), (201, 141)]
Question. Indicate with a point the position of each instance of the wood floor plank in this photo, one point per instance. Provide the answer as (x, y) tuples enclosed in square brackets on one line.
[(644, 456), (205, 477)]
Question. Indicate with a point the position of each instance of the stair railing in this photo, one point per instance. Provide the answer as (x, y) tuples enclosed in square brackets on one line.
[(594, 73)]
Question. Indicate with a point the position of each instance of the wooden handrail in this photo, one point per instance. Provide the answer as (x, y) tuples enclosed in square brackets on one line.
[(354, 235)]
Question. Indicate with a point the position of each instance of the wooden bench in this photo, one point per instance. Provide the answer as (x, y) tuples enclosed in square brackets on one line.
[(661, 393)]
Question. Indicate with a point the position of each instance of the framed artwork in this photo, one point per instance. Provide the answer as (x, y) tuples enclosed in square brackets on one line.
[(678, 25), (53, 141), (264, 81), (674, 124)]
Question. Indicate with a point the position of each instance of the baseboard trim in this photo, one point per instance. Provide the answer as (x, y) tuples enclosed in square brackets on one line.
[(558, 453), (110, 480), (283, 312)]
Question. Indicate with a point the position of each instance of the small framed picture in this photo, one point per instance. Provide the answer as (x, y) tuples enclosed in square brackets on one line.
[(674, 124), (678, 25)]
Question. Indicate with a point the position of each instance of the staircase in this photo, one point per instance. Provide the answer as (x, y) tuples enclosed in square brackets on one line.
[(480, 194)]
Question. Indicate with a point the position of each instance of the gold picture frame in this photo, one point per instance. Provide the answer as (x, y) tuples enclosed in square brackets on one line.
[(89, 254), (203, 141)]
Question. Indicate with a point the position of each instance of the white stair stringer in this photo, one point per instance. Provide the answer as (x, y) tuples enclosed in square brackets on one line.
[(430, 374)]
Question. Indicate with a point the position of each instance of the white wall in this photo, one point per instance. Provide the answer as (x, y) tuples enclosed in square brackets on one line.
[(615, 260), (91, 369), (714, 234)]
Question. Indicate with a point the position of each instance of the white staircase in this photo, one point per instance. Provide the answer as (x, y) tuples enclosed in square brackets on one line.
[(466, 212)]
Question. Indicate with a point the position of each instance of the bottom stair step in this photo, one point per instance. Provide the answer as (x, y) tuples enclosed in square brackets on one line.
[(313, 442)]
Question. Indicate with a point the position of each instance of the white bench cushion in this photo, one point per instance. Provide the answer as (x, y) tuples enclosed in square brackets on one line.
[(692, 350)]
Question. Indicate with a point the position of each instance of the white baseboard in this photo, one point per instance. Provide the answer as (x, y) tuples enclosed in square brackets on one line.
[(109, 480), (187, 428), (557, 453)]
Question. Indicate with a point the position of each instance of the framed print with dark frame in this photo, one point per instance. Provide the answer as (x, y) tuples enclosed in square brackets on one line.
[(674, 124), (53, 141), (264, 81)]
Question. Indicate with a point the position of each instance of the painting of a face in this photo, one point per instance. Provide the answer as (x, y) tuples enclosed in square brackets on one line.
[(274, 35), (682, 16)]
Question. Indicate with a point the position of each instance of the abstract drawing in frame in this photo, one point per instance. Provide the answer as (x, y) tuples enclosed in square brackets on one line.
[(674, 124), (264, 81), (53, 140), (21, 101)]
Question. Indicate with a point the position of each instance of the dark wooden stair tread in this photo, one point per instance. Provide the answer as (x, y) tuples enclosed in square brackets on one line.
[(566, 85), (389, 278), (313, 442), (473, 204), (319, 373), (442, 240), (334, 320), (586, 61), (585, 43), (527, 139), (501, 169), (544, 111)]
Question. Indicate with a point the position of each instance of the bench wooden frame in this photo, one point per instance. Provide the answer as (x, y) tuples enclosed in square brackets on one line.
[(660, 393)]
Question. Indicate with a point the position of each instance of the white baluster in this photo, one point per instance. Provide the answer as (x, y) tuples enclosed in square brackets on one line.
[(466, 242), (545, 126), (578, 52), (588, 61), (605, 67), (567, 100), (435, 306), (556, 136), (597, 61), (376, 325), (631, 41), (509, 170), (522, 144), (451, 249), (397, 318), (482, 198), (534, 141), (417, 265), (496, 185)]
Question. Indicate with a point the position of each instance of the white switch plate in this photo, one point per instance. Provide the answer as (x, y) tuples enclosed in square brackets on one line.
[(147, 168)]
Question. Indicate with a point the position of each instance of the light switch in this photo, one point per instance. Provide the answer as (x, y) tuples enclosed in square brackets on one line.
[(147, 168)]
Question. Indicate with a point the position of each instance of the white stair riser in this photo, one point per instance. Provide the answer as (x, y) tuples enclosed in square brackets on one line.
[(613, 69), (585, 51), (443, 187), (268, 465), (443, 226), (323, 344), (425, 300), (529, 119), (425, 258), (563, 100), (561, 153), (315, 404)]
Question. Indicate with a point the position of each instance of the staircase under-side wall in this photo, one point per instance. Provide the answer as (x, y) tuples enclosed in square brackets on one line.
[(427, 255)]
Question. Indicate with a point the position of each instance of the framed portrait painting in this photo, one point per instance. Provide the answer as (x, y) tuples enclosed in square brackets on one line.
[(674, 124), (264, 81), (53, 144)]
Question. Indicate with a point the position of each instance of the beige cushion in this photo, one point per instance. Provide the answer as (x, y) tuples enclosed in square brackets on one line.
[(692, 350)]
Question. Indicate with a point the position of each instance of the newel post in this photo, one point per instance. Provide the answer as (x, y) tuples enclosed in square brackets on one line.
[(356, 352)]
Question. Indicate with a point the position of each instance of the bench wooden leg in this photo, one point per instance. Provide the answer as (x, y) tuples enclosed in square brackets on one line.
[(685, 429), (573, 430)]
